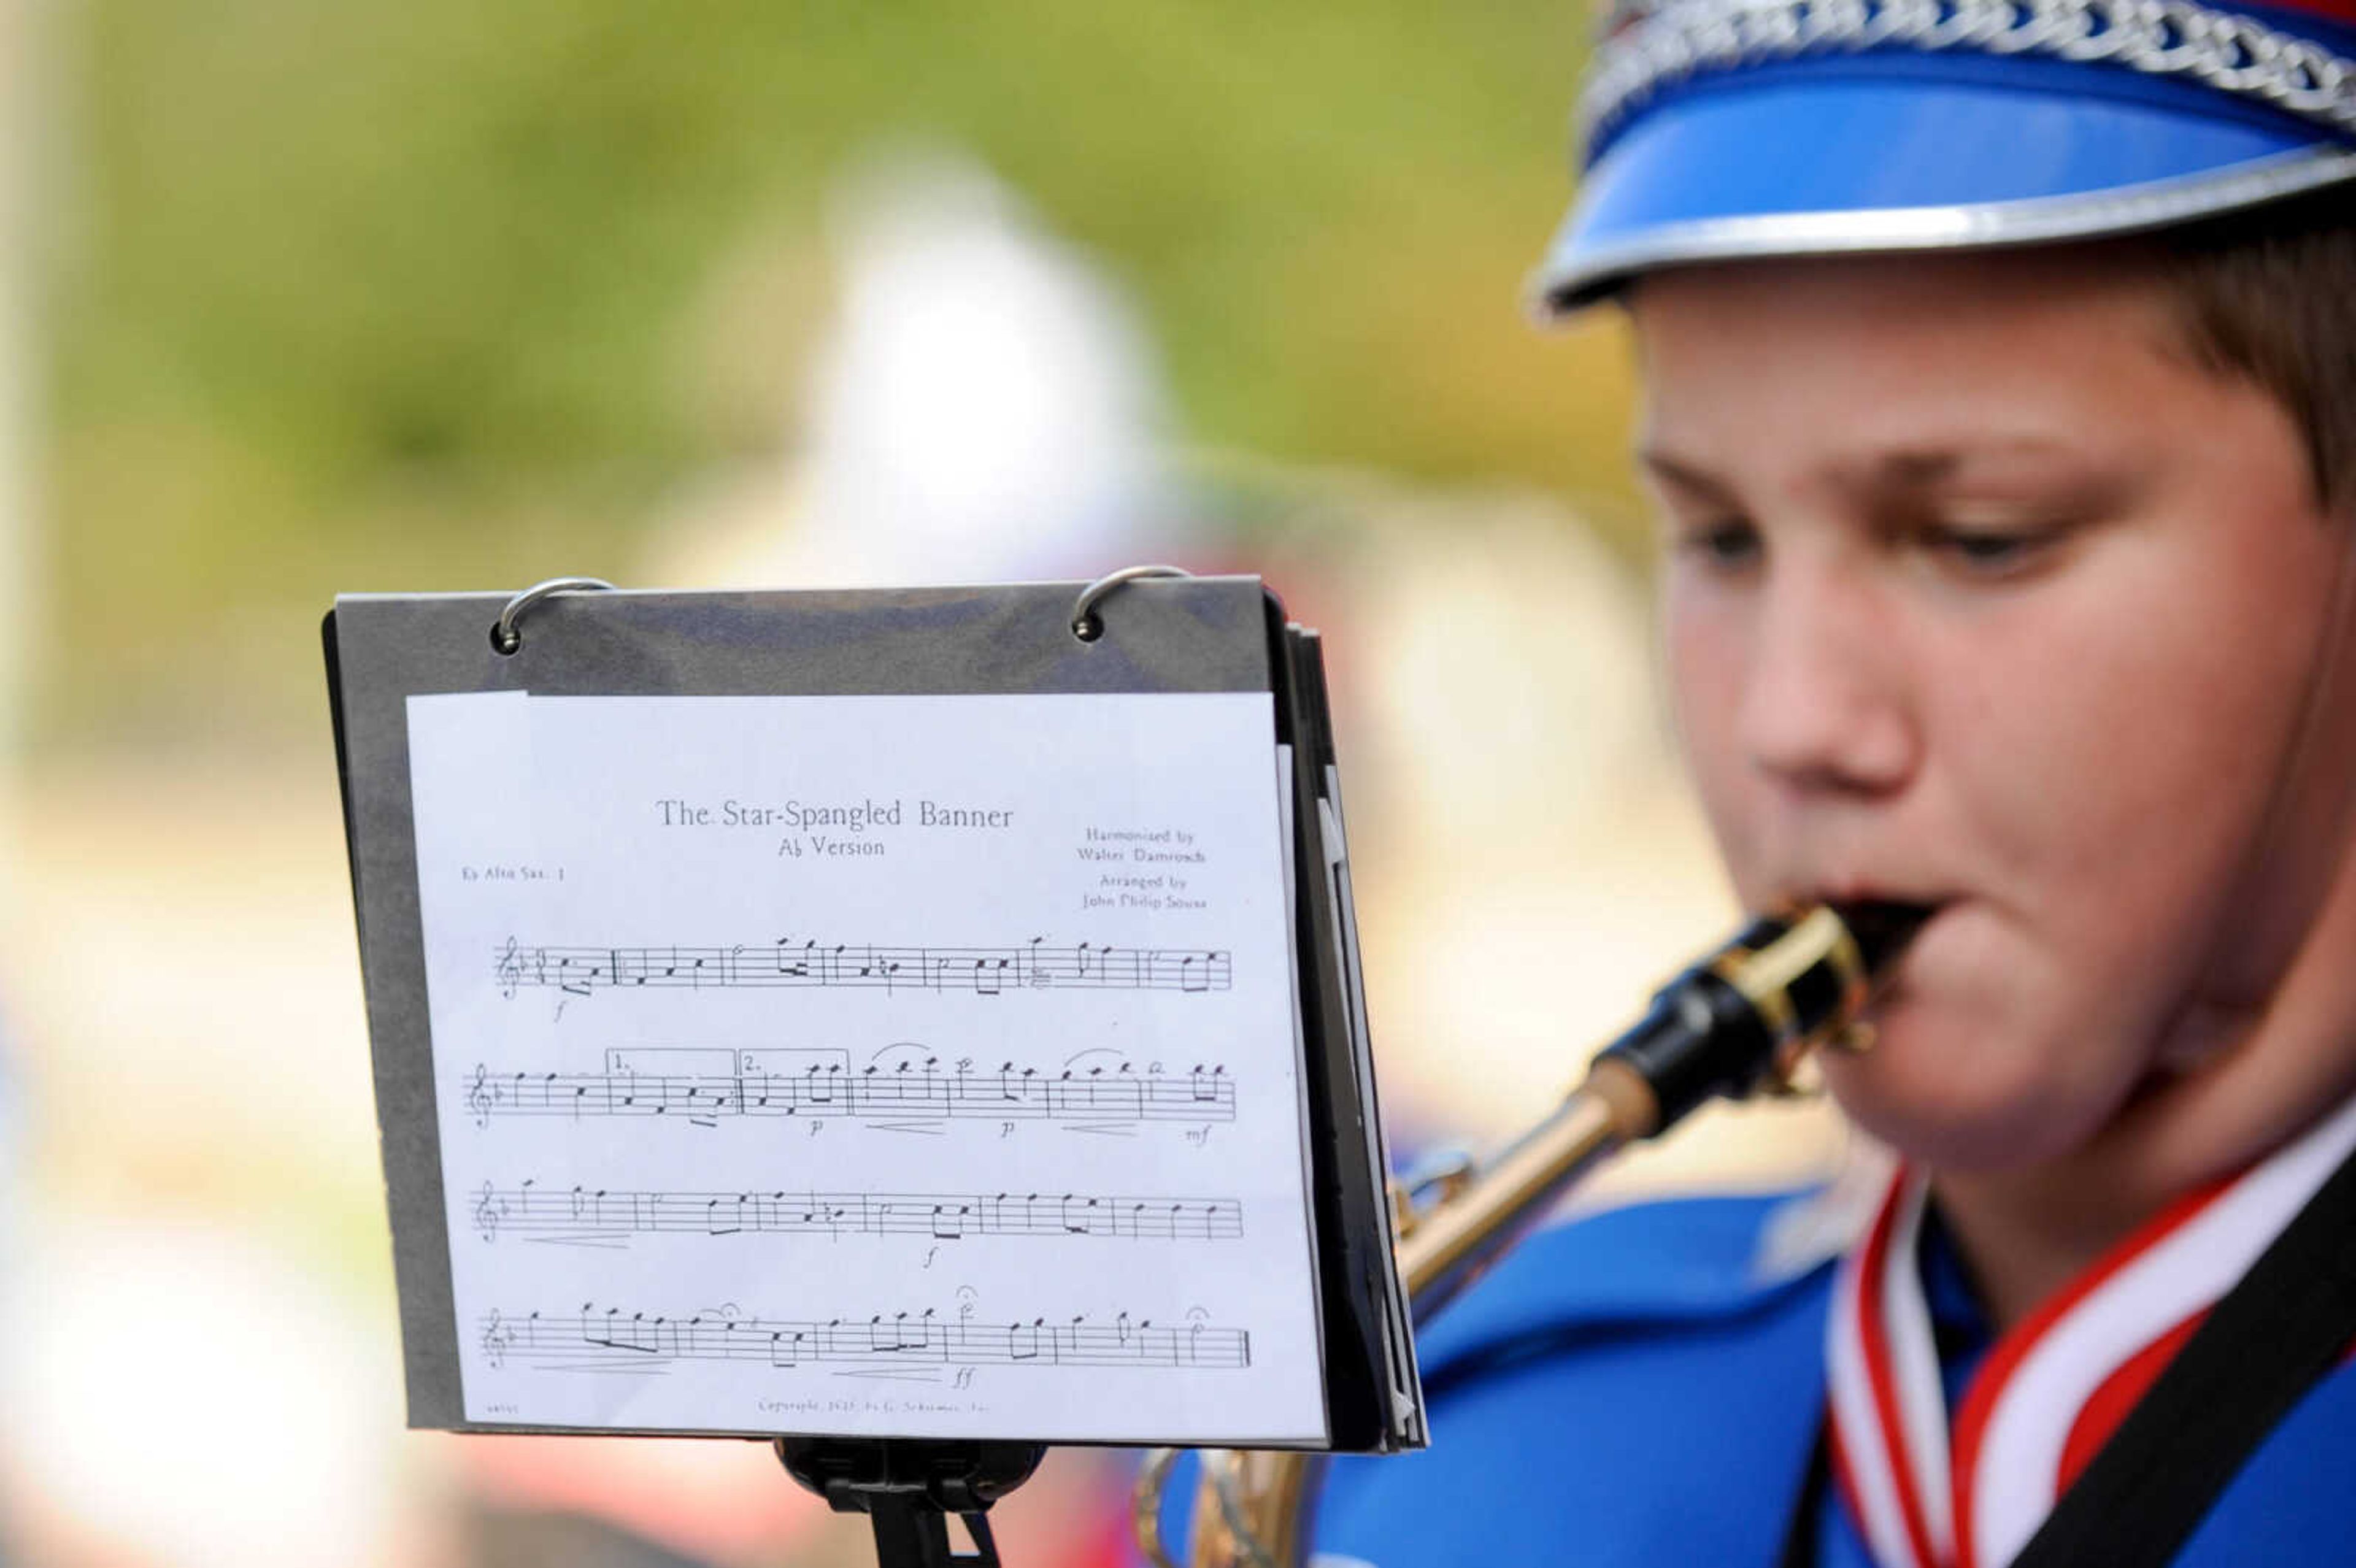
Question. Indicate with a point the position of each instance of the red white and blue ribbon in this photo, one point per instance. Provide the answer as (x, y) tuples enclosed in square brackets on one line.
[(1929, 1489)]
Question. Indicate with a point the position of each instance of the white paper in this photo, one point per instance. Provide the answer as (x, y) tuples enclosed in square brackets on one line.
[(882, 1065)]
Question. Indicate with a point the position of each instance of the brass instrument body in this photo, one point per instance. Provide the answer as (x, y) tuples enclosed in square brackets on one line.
[(1741, 1020)]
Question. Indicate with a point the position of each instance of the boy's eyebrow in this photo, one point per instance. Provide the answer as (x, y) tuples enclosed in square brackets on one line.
[(1926, 470), (1906, 468), (1917, 469), (1683, 473)]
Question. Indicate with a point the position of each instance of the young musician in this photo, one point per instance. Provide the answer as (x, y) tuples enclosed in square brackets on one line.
[(2000, 409)]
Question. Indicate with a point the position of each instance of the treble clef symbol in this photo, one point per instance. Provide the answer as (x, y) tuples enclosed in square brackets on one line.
[(478, 1095), (510, 968), (488, 1209), (496, 1337)]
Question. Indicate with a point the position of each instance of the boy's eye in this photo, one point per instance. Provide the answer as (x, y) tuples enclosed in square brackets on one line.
[(1727, 545), (1988, 552)]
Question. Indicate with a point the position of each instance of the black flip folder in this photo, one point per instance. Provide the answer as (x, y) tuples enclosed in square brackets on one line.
[(1225, 635)]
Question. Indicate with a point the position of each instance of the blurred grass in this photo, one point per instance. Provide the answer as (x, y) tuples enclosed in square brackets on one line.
[(439, 294)]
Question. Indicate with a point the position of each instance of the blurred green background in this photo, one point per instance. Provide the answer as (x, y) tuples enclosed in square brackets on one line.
[(438, 294)]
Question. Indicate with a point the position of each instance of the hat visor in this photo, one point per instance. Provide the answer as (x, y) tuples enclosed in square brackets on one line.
[(1860, 166)]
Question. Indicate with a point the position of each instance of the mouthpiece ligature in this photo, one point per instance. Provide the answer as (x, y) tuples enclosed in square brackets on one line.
[(1746, 1016)]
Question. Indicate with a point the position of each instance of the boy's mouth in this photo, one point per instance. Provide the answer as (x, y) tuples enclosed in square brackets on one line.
[(1883, 927)]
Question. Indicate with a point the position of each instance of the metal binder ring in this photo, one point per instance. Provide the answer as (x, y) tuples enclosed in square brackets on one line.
[(505, 637), (1085, 625)]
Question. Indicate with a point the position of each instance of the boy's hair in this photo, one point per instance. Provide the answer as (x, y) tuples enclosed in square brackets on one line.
[(2271, 295)]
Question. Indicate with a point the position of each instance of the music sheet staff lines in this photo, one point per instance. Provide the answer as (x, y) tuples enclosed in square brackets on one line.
[(602, 1216), (1096, 1090), (596, 1338), (980, 970)]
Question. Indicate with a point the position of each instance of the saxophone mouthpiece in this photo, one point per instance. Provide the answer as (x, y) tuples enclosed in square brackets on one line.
[(1883, 929)]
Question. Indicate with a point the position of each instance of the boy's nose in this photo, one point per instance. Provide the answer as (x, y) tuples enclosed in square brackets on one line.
[(1823, 707)]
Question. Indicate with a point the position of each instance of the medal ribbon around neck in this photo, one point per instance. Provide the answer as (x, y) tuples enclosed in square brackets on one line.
[(2055, 1387)]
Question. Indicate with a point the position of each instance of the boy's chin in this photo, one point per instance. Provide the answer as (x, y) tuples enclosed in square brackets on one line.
[(1937, 1093)]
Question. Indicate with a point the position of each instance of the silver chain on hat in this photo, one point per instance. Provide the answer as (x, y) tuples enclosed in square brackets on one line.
[(1654, 42)]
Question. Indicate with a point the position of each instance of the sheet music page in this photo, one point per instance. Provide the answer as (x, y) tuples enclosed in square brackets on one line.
[(916, 1066)]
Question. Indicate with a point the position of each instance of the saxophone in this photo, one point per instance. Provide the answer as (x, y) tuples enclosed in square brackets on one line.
[(1741, 1020)]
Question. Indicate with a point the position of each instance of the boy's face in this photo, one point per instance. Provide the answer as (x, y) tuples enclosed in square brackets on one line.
[(1980, 593)]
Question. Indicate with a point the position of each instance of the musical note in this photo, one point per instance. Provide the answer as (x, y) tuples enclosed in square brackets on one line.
[(977, 971), (725, 1334), (530, 1210)]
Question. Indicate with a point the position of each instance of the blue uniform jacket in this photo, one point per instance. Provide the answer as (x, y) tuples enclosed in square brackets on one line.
[(1630, 1389)]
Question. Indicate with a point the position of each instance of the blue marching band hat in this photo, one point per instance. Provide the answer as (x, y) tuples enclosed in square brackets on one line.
[(1716, 130)]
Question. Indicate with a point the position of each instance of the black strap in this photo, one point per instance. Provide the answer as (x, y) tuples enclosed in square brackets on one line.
[(1800, 1533), (2274, 1335)]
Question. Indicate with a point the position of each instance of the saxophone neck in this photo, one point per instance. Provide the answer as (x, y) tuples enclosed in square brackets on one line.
[(1740, 1020)]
